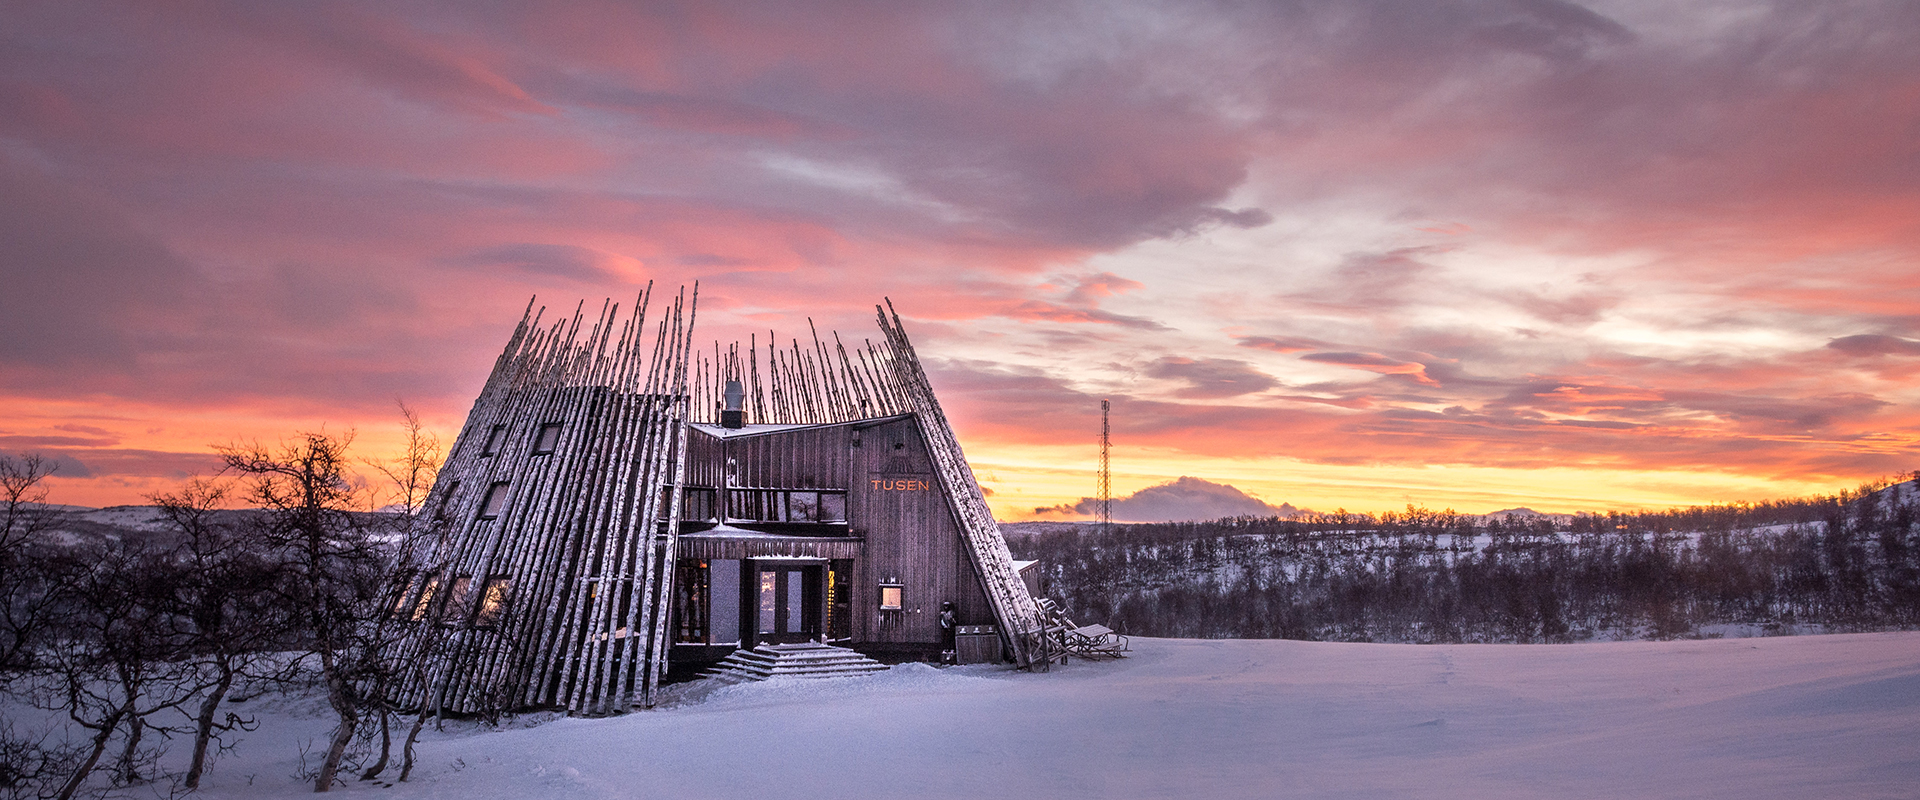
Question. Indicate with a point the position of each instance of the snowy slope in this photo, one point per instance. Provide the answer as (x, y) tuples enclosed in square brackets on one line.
[(1791, 717)]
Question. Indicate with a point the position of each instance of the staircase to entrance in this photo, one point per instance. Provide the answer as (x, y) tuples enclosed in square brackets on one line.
[(801, 660)]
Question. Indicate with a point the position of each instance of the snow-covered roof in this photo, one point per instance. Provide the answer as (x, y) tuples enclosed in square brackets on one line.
[(722, 432), (725, 531)]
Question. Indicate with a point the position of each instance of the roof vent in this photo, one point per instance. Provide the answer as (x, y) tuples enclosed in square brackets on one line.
[(731, 416)]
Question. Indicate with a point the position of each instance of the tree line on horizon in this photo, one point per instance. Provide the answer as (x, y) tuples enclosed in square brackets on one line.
[(1843, 562), (123, 644), (127, 643)]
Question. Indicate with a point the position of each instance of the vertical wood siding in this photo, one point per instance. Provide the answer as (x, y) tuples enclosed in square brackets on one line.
[(587, 535)]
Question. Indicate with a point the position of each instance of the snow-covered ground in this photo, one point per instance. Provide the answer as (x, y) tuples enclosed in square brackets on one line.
[(1787, 717)]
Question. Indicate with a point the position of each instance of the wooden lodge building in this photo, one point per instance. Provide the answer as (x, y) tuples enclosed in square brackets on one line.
[(834, 532), (618, 504)]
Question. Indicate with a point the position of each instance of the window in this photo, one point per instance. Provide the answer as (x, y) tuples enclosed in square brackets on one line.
[(493, 601), (833, 507), (839, 601), (769, 600), (425, 604), (456, 608), (699, 506), (493, 440), (549, 439), (496, 499), (723, 598), (402, 592), (663, 511), (784, 505), (690, 600), (440, 509), (803, 506), (796, 600), (890, 597)]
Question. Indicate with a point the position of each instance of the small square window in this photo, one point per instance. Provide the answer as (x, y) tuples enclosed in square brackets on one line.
[(548, 440), (493, 601), (493, 440), (496, 499), (803, 506), (424, 604), (402, 592), (889, 598), (440, 508), (699, 506), (457, 599)]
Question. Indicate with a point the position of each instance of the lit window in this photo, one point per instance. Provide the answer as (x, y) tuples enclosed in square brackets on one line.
[(493, 601), (493, 440), (889, 598), (402, 591), (769, 600), (495, 500), (425, 603), (548, 440)]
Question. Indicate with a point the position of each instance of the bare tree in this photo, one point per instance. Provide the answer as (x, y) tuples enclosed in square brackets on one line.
[(224, 603), (26, 605), (29, 761), (116, 662), (32, 761), (408, 648), (335, 569), (410, 475)]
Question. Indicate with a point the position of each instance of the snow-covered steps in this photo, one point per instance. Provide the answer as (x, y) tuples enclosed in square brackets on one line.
[(803, 660)]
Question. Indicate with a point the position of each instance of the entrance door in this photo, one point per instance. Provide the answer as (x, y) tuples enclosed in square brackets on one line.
[(789, 608)]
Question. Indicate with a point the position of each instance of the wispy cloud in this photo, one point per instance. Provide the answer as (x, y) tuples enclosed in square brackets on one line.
[(1630, 237)]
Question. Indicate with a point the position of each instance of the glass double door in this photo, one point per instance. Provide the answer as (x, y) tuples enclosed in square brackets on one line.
[(789, 607)]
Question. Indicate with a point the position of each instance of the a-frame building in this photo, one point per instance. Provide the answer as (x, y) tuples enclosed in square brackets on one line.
[(618, 502)]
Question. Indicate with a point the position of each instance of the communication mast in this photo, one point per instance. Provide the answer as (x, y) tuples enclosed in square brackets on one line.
[(1106, 476)]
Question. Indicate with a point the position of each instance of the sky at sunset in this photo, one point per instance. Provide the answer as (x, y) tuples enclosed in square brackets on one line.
[(1336, 254)]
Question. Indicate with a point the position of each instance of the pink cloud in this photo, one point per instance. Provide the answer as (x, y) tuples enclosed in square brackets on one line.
[(1091, 289), (311, 210), (1374, 362), (1281, 344)]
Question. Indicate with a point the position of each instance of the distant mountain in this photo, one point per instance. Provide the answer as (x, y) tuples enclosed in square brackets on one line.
[(1185, 499)]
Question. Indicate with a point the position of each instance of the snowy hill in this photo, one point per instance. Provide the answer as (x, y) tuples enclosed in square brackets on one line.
[(1849, 562), (77, 525), (1522, 513), (1791, 717)]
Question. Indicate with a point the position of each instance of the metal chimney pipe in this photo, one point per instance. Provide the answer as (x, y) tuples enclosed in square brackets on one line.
[(731, 416)]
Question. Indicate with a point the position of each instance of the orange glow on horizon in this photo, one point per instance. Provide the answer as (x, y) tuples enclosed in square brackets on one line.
[(1569, 261)]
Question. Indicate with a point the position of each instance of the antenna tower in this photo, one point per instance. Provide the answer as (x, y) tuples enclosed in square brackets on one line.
[(1106, 475)]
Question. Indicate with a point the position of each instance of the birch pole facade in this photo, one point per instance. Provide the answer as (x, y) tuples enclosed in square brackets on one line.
[(545, 534), (551, 534)]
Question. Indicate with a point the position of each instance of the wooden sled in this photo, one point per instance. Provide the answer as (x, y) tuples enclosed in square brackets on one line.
[(1066, 638)]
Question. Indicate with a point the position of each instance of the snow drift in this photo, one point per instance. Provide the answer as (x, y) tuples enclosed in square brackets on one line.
[(1789, 717)]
